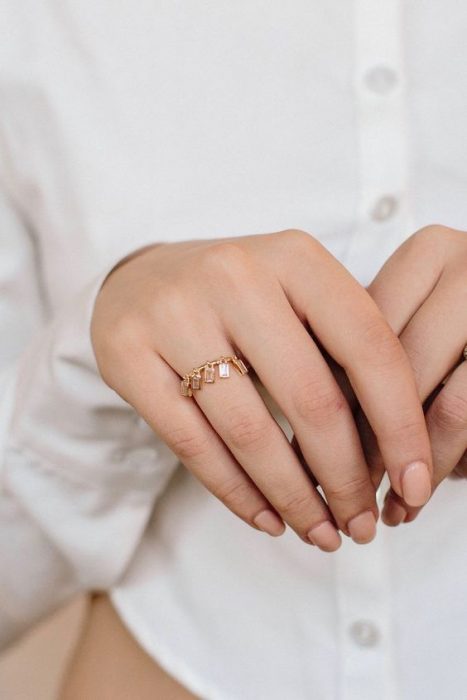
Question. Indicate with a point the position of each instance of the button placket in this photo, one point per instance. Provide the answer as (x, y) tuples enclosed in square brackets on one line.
[(383, 216), (383, 221), (365, 628)]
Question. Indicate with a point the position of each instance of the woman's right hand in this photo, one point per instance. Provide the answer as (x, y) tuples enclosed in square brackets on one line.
[(274, 299)]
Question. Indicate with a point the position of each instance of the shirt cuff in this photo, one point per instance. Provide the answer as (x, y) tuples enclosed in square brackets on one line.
[(79, 476)]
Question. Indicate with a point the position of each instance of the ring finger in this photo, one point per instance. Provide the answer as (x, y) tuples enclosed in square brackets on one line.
[(240, 418)]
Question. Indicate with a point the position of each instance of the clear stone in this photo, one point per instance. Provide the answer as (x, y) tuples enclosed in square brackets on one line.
[(240, 365), (224, 369), (196, 381), (209, 374), (185, 388)]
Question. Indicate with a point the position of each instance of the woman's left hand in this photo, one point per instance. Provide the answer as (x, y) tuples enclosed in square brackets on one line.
[(422, 292)]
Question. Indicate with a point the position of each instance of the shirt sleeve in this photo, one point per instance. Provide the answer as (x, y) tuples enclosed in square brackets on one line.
[(79, 470)]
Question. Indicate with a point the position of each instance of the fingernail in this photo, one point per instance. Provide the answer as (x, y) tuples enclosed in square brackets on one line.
[(416, 484), (410, 517), (362, 528), (269, 522), (325, 536), (393, 513)]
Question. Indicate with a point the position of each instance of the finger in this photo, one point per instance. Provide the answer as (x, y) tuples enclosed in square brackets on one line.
[(153, 389), (296, 448), (240, 418), (396, 511), (460, 470), (352, 329), (434, 354), (432, 358), (415, 295), (401, 286), (289, 364), (399, 289), (447, 426), (371, 449), (370, 445), (407, 278), (261, 447)]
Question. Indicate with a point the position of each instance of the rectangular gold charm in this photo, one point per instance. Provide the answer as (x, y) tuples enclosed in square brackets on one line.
[(209, 374), (240, 365), (185, 388), (196, 381)]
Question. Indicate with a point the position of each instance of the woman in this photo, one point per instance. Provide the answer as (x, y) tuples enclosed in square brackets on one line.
[(163, 169)]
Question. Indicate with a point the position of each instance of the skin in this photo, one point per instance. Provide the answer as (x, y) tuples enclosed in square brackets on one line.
[(108, 663), (430, 320), (281, 301)]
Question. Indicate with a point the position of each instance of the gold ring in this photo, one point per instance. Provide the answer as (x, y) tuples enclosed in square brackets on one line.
[(207, 373)]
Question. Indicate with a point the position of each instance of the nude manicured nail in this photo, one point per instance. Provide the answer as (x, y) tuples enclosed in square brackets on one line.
[(393, 513), (325, 536), (269, 522), (362, 527), (416, 484)]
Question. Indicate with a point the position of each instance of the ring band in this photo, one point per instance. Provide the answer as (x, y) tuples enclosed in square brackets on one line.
[(206, 373), (465, 353)]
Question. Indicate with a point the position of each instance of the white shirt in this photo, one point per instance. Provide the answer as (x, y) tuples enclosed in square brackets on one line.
[(125, 123)]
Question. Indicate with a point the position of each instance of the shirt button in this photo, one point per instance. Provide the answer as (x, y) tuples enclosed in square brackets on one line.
[(380, 79), (364, 633), (384, 208)]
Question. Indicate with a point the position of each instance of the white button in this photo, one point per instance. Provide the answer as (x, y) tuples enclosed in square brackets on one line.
[(380, 79), (384, 208), (364, 633)]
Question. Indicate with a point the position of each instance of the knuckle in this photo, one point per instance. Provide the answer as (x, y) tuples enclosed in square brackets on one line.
[(381, 347), (226, 259), (432, 236), (351, 489), (405, 430), (449, 411), (296, 238), (187, 443), (318, 406), (434, 242), (295, 504), (234, 493), (247, 432), (432, 231)]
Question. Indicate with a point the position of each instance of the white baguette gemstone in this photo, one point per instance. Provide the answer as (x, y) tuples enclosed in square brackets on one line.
[(209, 374), (196, 381), (224, 369)]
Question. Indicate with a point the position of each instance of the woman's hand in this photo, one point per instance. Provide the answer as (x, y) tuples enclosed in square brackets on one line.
[(422, 292), (175, 306)]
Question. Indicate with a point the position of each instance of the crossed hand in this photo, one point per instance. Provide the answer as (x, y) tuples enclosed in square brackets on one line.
[(370, 381)]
